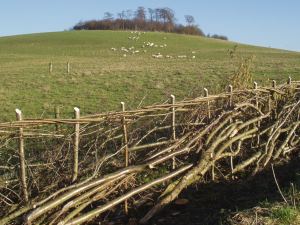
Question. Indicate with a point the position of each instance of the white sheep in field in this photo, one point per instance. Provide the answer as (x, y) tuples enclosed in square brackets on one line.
[(182, 56), (157, 56), (193, 57), (114, 49), (124, 55), (124, 49), (169, 57)]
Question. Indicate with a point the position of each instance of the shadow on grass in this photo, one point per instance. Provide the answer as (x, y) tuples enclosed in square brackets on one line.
[(211, 204)]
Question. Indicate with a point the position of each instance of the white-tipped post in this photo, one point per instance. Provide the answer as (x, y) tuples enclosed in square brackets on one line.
[(173, 126), (76, 144), (68, 67), (125, 138), (208, 103), (22, 157), (205, 92), (255, 85), (289, 80), (230, 89)]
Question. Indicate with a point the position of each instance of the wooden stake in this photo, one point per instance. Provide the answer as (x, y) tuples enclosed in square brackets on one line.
[(257, 105), (212, 167), (208, 103), (68, 67), (125, 138), (289, 82), (256, 98), (255, 85), (50, 67), (274, 83), (173, 126), (76, 145), (22, 158), (230, 88), (57, 117)]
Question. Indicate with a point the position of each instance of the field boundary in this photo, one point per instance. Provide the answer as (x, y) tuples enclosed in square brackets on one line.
[(113, 148)]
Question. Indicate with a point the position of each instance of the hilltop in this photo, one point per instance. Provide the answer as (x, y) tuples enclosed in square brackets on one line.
[(103, 73)]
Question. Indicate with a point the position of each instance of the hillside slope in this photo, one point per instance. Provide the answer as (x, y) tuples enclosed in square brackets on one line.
[(102, 76)]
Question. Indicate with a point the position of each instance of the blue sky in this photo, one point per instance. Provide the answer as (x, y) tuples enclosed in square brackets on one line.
[(270, 23)]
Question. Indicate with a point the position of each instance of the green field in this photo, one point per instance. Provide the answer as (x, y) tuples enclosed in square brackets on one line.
[(100, 78)]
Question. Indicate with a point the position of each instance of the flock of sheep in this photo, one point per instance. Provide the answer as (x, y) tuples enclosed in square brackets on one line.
[(132, 50)]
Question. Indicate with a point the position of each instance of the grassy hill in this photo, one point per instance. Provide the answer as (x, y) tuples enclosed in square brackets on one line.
[(100, 77)]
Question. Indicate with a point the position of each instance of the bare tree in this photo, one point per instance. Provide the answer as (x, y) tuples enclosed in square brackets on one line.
[(122, 16), (151, 14), (140, 14), (108, 16), (189, 19), (128, 14), (157, 15)]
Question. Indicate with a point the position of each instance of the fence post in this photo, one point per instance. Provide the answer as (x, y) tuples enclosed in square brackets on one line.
[(231, 93), (255, 85), (230, 87), (125, 138), (256, 98), (22, 157), (209, 116), (212, 155), (173, 127), (56, 114), (257, 105), (68, 67), (274, 83), (50, 67), (274, 98), (76, 144), (208, 103), (289, 82)]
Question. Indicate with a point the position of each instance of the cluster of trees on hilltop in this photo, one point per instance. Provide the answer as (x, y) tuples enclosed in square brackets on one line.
[(159, 19)]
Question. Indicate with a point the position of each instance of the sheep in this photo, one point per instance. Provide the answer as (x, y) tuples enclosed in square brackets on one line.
[(193, 57), (124, 49), (157, 56), (182, 56), (114, 49)]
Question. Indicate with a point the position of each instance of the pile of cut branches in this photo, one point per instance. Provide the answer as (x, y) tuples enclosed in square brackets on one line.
[(152, 154)]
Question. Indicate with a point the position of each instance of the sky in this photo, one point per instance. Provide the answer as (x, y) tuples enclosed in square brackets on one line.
[(269, 23)]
